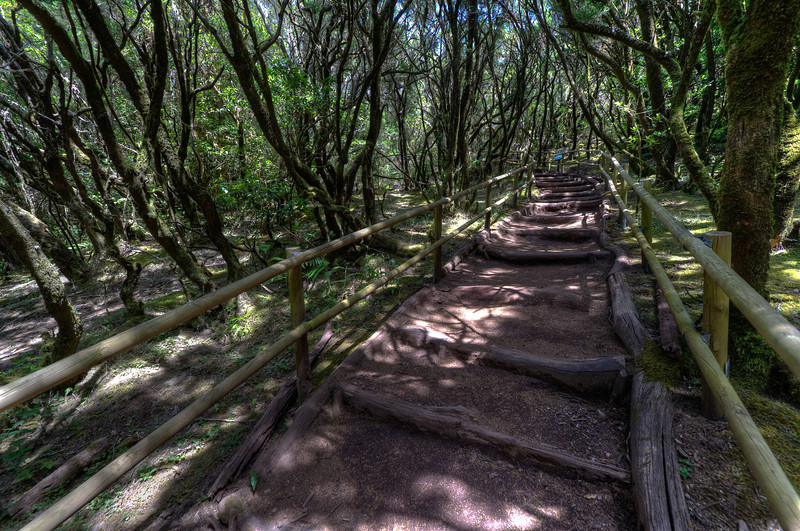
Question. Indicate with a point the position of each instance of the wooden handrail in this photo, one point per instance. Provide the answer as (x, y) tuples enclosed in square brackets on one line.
[(63, 370), (780, 493), (70, 504), (776, 329)]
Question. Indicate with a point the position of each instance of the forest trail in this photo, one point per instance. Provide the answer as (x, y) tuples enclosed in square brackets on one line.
[(437, 422)]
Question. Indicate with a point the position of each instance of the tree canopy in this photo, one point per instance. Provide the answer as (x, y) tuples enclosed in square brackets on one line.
[(232, 122)]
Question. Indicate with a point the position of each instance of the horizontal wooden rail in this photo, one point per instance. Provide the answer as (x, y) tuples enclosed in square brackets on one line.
[(766, 469), (72, 366), (779, 333), (70, 504)]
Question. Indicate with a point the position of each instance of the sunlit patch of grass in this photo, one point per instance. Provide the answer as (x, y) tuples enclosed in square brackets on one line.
[(784, 283), (164, 304)]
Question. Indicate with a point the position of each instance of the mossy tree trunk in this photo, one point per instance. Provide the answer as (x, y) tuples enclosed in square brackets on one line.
[(73, 266), (47, 278), (758, 47), (788, 173)]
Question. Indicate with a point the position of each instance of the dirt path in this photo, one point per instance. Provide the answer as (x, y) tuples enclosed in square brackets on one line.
[(353, 467)]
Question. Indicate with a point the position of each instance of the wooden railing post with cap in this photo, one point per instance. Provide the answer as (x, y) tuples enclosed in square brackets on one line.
[(716, 309), (298, 310), (437, 235)]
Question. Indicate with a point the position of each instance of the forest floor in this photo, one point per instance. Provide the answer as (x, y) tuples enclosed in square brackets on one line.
[(142, 388)]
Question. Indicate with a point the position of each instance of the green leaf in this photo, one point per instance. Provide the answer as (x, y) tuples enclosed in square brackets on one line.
[(253, 480)]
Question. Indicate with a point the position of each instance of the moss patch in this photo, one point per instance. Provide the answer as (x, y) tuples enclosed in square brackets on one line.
[(780, 426), (657, 366)]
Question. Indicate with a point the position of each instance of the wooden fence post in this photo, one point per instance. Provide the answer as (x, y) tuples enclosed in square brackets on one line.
[(530, 182), (298, 310), (716, 306), (647, 214), (516, 185), (486, 204), (437, 235), (623, 194), (647, 221), (623, 183)]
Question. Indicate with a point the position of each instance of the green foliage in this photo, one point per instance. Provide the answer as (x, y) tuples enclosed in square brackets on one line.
[(589, 11), (145, 472), (686, 468)]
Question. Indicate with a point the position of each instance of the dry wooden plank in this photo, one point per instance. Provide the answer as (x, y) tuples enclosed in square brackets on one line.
[(457, 422), (571, 187), (658, 493), (626, 323)]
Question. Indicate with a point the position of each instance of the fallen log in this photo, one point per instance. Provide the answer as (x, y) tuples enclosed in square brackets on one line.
[(625, 319), (669, 335), (571, 187), (266, 425), (63, 474), (459, 255), (626, 323), (574, 235), (456, 422), (549, 195), (569, 206), (538, 218), (534, 257), (587, 202), (657, 488), (557, 179), (596, 376)]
